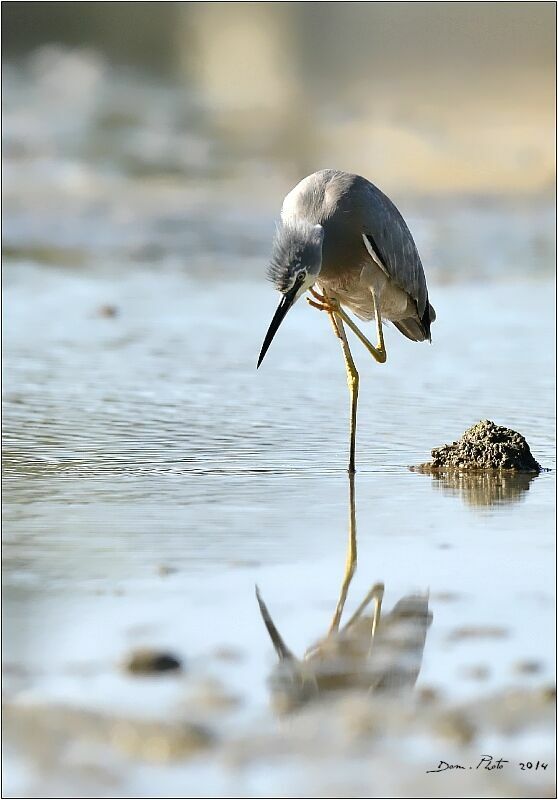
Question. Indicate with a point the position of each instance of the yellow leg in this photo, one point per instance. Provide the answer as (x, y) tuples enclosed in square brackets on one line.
[(375, 594), (326, 303), (352, 374), (352, 382), (351, 562)]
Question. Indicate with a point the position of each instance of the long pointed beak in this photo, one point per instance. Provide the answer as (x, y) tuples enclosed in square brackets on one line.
[(284, 305)]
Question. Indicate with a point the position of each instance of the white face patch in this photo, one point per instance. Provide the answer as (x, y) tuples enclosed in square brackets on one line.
[(303, 283), (298, 279), (308, 281)]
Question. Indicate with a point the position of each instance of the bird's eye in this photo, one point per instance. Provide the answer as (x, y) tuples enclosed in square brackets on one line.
[(301, 277)]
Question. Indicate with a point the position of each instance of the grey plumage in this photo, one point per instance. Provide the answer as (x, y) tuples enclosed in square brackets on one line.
[(349, 207)]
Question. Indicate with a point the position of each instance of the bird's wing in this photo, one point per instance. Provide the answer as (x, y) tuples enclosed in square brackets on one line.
[(389, 242)]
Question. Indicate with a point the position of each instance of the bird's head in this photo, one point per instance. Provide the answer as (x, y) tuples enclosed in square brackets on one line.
[(295, 264)]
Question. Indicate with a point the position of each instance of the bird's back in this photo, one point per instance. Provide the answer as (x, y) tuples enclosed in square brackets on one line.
[(350, 207)]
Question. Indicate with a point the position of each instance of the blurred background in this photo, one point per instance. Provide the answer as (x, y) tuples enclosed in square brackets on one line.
[(151, 477), (432, 97), (207, 113)]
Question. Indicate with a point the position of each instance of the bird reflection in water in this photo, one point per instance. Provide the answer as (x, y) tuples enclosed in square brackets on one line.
[(371, 651), (487, 488)]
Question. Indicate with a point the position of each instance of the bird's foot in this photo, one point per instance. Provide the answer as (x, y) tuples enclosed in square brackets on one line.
[(323, 303)]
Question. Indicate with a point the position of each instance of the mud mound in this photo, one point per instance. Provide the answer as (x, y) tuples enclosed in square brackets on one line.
[(485, 446)]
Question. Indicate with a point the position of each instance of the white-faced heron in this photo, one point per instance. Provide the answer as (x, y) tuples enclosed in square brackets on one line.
[(341, 234)]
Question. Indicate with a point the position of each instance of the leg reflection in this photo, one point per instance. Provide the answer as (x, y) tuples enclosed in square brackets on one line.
[(351, 561), (370, 651)]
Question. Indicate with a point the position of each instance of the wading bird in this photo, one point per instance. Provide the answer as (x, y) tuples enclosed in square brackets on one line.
[(341, 234)]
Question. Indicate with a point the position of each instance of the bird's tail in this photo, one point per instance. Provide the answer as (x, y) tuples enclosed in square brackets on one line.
[(417, 330)]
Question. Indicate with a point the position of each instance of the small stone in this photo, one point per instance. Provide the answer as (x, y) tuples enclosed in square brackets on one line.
[(151, 662), (108, 311)]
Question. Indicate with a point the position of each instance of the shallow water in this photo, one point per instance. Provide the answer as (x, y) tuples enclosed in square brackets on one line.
[(152, 477), (148, 440)]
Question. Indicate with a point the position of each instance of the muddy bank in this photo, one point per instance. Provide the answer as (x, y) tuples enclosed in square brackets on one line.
[(484, 446)]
